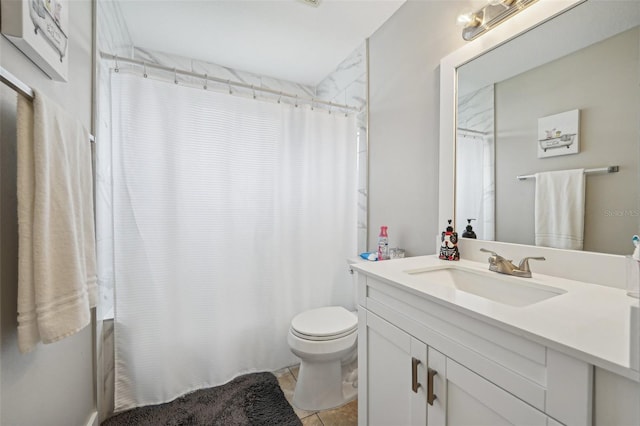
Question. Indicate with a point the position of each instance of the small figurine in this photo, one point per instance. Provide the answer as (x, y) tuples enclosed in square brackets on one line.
[(449, 246)]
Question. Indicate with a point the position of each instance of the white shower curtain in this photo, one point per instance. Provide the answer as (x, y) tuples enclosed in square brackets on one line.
[(475, 186), (230, 216)]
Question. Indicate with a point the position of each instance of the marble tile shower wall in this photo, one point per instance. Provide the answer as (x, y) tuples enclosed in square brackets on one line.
[(223, 73), (112, 35), (475, 110), (111, 30), (348, 85)]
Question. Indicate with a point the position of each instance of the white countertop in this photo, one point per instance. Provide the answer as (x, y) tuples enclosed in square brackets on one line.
[(590, 322)]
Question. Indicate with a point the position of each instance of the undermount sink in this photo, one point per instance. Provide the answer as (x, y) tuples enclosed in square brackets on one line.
[(489, 285)]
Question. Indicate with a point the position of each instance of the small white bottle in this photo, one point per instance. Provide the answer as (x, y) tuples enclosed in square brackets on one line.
[(383, 244)]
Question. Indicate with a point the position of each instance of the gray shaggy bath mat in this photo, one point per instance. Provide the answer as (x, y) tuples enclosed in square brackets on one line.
[(252, 399)]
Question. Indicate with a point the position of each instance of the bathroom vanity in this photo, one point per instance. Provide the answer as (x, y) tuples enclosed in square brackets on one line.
[(453, 343)]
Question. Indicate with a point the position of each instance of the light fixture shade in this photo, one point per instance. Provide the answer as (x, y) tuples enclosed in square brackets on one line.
[(491, 15), (469, 19)]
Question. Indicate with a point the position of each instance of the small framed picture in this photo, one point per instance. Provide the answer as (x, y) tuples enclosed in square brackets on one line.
[(558, 134), (39, 28)]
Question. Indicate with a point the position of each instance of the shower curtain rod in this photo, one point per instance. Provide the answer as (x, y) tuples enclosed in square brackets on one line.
[(21, 88), (462, 129), (206, 78)]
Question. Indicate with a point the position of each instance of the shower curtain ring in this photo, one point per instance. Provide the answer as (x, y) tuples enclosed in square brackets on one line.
[(144, 70), (312, 100), (175, 76), (296, 103), (254, 91), (280, 97), (229, 84), (206, 78), (117, 68)]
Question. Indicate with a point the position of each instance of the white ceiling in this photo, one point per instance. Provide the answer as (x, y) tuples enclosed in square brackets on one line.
[(284, 39)]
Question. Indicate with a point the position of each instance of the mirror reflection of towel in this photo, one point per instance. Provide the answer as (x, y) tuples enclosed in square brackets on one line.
[(559, 209)]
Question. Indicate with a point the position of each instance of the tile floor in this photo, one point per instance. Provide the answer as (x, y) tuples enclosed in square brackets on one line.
[(347, 415)]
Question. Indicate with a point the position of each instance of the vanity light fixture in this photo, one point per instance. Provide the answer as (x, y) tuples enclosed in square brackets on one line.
[(494, 12), (314, 3)]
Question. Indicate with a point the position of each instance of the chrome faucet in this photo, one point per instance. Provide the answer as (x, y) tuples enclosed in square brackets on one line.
[(501, 265)]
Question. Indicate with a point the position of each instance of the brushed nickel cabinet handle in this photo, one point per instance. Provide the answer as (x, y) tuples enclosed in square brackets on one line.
[(414, 374), (430, 395)]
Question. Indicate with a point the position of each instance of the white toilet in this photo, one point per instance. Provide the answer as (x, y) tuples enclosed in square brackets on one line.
[(325, 339)]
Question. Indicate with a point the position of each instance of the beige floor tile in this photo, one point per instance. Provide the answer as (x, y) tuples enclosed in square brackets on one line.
[(286, 381), (347, 415), (281, 372), (312, 420), (294, 370)]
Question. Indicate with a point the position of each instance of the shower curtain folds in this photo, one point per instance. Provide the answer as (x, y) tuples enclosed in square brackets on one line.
[(230, 216)]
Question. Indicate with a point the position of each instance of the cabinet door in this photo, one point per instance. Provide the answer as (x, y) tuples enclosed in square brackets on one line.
[(468, 399), (387, 392)]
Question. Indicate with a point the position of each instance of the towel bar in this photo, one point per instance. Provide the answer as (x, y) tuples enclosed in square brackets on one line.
[(609, 169), (14, 83)]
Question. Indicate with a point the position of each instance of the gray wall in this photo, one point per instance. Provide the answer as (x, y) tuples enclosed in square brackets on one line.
[(601, 81), (404, 75), (54, 384)]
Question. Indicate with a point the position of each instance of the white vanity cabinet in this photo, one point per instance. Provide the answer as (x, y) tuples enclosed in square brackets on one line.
[(481, 374), (408, 383), (390, 369)]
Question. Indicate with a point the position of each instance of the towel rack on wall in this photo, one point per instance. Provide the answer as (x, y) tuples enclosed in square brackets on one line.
[(610, 169), (14, 83)]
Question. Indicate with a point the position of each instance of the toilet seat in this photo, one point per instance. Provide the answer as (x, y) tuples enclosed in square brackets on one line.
[(322, 324)]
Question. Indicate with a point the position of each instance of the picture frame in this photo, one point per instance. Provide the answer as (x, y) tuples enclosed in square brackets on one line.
[(40, 29), (559, 134)]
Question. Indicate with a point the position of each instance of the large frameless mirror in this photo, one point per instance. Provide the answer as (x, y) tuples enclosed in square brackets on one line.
[(564, 95)]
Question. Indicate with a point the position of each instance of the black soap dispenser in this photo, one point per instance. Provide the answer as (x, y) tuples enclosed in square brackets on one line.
[(468, 233), (449, 245)]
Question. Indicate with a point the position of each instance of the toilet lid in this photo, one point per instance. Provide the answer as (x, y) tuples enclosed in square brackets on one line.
[(324, 323)]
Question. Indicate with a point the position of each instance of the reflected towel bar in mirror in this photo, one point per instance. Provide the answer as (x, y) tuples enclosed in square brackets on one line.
[(610, 169)]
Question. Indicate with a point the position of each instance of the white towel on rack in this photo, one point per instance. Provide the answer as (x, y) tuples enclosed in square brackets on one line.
[(56, 253), (559, 209)]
